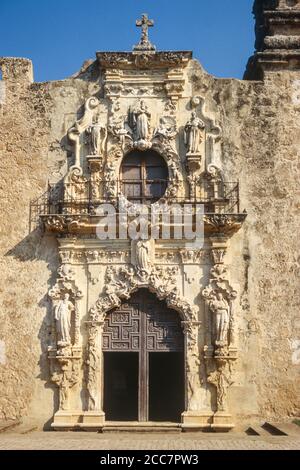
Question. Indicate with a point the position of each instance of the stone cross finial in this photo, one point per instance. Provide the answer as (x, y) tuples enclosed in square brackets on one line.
[(144, 44)]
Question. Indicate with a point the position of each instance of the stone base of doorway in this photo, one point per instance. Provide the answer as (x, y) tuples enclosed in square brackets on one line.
[(138, 426), (78, 421), (206, 421)]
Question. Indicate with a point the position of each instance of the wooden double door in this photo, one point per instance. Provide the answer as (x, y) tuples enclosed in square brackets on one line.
[(143, 348)]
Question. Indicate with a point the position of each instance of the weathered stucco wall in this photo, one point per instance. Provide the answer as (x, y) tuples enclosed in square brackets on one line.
[(260, 148)]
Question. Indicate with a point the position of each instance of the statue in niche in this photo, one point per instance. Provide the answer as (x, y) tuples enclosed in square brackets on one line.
[(139, 121), (193, 134), (143, 255), (97, 137), (166, 129), (221, 310), (62, 316)]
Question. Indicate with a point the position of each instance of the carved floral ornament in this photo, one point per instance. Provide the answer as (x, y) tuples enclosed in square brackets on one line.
[(121, 282), (124, 60)]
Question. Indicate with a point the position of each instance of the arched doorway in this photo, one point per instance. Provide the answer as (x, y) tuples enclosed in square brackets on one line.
[(143, 347)]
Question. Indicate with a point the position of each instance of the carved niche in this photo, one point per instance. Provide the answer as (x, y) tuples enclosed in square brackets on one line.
[(65, 350)]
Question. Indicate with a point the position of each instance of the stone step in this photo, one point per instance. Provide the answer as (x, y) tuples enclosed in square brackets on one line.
[(257, 430), (287, 429), (136, 426), (273, 429)]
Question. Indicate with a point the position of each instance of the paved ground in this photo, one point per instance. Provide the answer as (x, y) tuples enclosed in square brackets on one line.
[(141, 441)]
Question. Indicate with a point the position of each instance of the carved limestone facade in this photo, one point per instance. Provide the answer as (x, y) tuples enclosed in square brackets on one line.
[(133, 132), (144, 103)]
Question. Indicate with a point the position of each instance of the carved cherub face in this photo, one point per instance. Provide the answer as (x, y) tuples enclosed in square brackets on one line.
[(219, 296), (193, 115), (66, 296)]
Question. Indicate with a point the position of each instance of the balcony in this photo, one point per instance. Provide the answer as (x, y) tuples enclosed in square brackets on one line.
[(74, 207)]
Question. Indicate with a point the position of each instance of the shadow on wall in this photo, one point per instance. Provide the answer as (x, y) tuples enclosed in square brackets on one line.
[(40, 247)]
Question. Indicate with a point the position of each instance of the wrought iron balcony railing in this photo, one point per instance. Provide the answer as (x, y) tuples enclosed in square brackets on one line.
[(83, 198)]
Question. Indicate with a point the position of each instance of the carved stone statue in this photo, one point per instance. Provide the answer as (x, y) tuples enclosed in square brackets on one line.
[(174, 171), (143, 253), (62, 316), (193, 134), (122, 132), (98, 134), (113, 286), (220, 308), (166, 129), (139, 121)]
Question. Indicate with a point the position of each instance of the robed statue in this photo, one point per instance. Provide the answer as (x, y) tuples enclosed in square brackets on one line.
[(193, 134), (220, 308), (62, 316)]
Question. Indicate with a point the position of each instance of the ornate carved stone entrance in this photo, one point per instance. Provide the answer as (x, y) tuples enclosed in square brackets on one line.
[(143, 347), (145, 136)]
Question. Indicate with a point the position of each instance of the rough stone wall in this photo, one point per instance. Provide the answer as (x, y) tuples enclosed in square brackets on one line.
[(260, 149)]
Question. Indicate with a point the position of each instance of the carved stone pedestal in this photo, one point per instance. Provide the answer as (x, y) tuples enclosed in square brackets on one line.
[(222, 421), (93, 420), (196, 420), (87, 420), (65, 420)]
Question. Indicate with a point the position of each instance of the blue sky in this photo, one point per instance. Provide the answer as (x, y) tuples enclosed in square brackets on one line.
[(58, 35)]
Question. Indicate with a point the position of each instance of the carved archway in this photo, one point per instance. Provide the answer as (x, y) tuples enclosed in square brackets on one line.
[(121, 283)]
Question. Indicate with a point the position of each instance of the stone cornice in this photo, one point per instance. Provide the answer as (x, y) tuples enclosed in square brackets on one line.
[(125, 60)]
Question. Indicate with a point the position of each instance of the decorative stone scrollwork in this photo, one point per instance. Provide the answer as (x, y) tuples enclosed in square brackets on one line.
[(144, 60), (221, 378), (224, 223), (93, 363), (194, 256), (65, 374), (80, 126)]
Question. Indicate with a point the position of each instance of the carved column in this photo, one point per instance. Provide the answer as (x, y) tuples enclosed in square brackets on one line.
[(220, 351), (94, 416), (196, 416)]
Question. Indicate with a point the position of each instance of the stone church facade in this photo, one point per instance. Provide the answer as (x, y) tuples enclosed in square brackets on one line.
[(106, 324)]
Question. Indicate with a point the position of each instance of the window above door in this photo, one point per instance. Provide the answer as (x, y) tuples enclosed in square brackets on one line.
[(144, 176)]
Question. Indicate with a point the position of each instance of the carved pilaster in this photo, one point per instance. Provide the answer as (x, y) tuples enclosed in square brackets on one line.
[(220, 351), (94, 365), (65, 374)]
